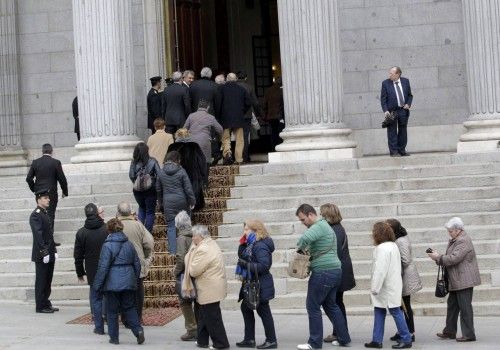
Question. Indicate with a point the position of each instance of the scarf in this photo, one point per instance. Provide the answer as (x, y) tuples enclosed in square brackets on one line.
[(242, 273), (188, 288)]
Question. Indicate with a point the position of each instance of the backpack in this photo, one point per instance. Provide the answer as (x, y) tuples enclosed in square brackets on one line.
[(144, 180)]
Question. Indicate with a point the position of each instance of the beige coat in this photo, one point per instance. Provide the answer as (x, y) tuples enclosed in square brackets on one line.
[(206, 265), (158, 145), (461, 263), (387, 285), (411, 278), (142, 240)]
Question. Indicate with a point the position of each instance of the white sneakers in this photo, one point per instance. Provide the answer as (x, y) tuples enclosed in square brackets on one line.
[(304, 347)]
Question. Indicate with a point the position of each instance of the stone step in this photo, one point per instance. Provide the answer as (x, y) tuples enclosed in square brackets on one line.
[(365, 224), (306, 190), (391, 197), (385, 210), (340, 175)]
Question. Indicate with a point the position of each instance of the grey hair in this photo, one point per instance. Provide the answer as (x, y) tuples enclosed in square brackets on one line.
[(454, 223), (187, 72), (183, 221), (200, 230), (220, 79), (176, 76), (124, 209), (206, 72), (231, 77)]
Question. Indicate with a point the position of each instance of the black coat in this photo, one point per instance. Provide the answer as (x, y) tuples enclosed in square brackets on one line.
[(174, 190), (235, 102), (256, 108), (44, 174), (207, 90), (348, 281), (262, 259), (43, 235), (176, 105), (154, 107), (74, 106), (88, 243), (194, 162)]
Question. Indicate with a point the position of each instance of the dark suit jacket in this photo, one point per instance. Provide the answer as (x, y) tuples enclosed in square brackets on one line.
[(207, 90), (176, 104), (74, 106), (154, 107), (235, 102), (44, 173), (388, 97), (257, 110), (43, 235)]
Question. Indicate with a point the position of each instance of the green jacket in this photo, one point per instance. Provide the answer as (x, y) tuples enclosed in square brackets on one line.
[(320, 238)]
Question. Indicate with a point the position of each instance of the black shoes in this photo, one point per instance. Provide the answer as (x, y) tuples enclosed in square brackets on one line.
[(55, 309), (402, 346), (445, 335), (216, 159), (228, 160), (404, 154), (47, 310), (114, 341), (397, 337), (246, 344), (373, 345), (97, 331), (268, 345), (140, 337)]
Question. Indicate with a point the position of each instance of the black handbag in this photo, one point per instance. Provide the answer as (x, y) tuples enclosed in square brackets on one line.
[(251, 289), (441, 283), (389, 119)]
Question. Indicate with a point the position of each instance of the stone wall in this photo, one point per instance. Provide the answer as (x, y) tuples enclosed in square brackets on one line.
[(425, 38)]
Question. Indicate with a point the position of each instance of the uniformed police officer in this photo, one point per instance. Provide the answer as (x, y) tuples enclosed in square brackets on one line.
[(44, 252)]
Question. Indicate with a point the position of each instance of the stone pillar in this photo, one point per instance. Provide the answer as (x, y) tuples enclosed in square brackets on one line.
[(312, 83), (105, 80), (482, 49), (11, 151), (154, 39)]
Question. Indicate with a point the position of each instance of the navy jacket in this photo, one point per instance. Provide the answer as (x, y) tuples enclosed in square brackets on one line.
[(388, 97), (235, 102), (262, 259), (43, 235), (119, 266), (348, 281)]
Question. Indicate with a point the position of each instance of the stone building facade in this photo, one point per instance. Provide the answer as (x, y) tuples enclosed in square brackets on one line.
[(334, 57)]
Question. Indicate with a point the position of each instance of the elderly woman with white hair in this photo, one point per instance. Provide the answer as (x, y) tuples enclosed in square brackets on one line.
[(462, 273), (184, 239), (205, 264)]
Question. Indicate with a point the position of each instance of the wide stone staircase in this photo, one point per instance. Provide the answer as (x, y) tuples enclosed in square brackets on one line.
[(422, 191)]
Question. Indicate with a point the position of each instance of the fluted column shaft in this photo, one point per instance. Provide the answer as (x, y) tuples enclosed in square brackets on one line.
[(11, 153), (154, 38), (482, 49), (105, 80), (310, 51)]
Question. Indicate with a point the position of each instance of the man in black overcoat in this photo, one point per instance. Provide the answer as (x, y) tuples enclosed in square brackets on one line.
[(205, 89), (76, 117), (154, 102), (43, 253), (45, 172), (176, 104)]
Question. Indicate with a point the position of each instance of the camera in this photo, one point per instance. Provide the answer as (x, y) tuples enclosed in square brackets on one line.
[(429, 250)]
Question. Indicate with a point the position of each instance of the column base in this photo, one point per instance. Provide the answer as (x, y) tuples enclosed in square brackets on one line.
[(315, 144), (13, 158), (481, 136), (104, 151)]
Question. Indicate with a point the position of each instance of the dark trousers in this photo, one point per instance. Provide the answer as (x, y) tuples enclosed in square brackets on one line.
[(43, 281), (96, 308), (340, 302), (396, 133), (210, 324), (171, 129), (460, 302), (139, 302), (147, 206), (408, 314), (216, 146), (246, 143), (125, 302), (276, 128), (264, 312)]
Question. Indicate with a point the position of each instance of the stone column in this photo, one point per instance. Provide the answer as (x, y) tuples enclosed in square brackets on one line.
[(312, 83), (105, 80), (482, 49), (154, 39), (11, 151)]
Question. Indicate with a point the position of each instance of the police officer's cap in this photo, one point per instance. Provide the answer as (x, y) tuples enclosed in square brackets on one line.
[(42, 193), (154, 80)]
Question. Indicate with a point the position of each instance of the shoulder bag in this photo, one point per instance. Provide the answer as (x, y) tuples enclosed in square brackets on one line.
[(144, 180), (251, 289), (441, 283)]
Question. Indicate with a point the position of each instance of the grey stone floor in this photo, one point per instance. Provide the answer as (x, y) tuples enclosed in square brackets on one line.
[(22, 328)]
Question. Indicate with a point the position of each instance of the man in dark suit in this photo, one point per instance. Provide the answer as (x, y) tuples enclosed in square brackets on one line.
[(75, 116), (154, 102), (176, 104), (44, 252), (205, 89), (396, 97), (45, 172)]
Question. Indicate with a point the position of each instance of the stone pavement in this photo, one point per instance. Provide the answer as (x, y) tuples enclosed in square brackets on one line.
[(22, 328)]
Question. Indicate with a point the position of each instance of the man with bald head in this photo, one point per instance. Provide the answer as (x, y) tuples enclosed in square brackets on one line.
[(235, 102), (396, 97)]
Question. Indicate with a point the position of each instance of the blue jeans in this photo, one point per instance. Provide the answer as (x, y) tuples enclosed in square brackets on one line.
[(379, 324), (171, 237), (96, 308), (123, 302), (322, 292), (147, 205)]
